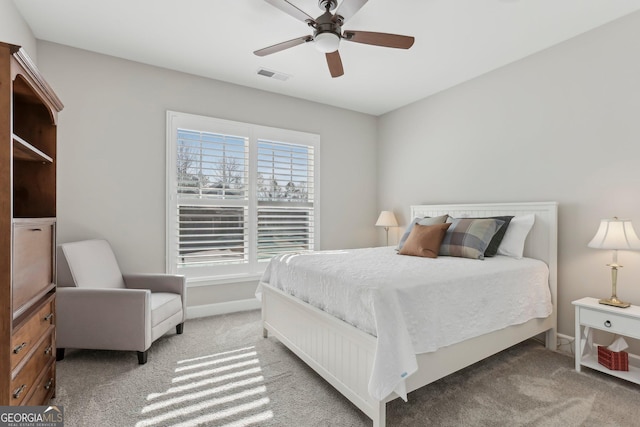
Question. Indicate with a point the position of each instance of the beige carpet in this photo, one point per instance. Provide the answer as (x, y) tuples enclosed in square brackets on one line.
[(221, 372)]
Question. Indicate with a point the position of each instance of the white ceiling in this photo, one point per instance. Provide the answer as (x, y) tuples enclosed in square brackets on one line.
[(456, 40)]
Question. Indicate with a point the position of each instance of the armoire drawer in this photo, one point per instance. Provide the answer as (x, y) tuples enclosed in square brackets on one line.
[(33, 266), (43, 388), (24, 380), (29, 333)]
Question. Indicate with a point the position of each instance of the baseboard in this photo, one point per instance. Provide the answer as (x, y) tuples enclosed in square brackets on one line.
[(565, 344), (222, 308)]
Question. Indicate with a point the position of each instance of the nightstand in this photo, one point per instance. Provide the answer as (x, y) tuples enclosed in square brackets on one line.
[(621, 321)]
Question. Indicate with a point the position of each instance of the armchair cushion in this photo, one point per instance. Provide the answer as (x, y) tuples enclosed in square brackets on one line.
[(170, 283), (163, 306), (93, 264)]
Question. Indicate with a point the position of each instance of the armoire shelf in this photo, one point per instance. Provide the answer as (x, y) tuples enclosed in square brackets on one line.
[(22, 150)]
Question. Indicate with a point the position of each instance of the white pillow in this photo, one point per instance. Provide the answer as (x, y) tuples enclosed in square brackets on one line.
[(513, 242)]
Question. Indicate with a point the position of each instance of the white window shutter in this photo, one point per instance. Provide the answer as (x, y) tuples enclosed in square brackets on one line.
[(285, 198), (239, 195)]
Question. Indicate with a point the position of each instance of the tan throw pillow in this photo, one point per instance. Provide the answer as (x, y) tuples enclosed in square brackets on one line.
[(427, 220), (424, 240)]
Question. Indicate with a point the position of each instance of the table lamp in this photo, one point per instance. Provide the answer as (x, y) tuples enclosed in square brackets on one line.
[(386, 219), (615, 234)]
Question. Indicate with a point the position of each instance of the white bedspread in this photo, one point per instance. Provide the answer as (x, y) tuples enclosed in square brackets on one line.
[(412, 304)]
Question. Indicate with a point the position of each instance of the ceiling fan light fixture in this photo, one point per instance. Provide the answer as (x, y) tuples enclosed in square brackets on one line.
[(327, 31), (327, 42)]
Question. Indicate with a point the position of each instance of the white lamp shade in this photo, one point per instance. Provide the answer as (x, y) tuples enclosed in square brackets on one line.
[(615, 234), (386, 219), (327, 42)]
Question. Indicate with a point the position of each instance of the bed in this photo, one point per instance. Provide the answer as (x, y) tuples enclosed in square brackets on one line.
[(344, 354)]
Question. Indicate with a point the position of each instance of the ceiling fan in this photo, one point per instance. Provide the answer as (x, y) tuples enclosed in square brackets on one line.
[(327, 31)]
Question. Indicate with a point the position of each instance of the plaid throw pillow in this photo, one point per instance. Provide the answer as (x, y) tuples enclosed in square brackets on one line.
[(468, 237), (492, 249)]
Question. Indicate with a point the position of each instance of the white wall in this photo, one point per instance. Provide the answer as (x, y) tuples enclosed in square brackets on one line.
[(111, 154), (562, 125), (14, 29)]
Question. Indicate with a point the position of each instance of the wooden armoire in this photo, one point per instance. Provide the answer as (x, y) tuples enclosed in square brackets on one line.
[(28, 118)]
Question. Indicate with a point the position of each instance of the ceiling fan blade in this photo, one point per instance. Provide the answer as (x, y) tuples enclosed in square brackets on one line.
[(348, 8), (291, 10), (282, 46), (379, 39), (335, 64)]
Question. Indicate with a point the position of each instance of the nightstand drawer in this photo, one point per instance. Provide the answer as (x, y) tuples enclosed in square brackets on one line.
[(610, 322)]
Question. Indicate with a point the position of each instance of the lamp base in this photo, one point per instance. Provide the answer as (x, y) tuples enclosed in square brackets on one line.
[(614, 302)]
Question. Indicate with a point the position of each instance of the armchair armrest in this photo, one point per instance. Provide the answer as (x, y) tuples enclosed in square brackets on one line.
[(122, 317), (159, 283), (156, 282)]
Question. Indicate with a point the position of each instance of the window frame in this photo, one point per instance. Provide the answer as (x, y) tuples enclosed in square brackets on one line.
[(253, 269)]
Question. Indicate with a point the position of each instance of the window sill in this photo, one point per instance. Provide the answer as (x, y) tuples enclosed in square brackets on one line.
[(195, 282)]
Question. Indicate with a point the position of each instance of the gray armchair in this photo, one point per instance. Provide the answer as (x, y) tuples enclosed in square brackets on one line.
[(100, 308)]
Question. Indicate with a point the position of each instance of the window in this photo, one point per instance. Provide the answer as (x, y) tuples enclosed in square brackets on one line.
[(239, 194)]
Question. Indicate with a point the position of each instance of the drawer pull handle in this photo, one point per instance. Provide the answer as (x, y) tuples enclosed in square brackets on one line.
[(49, 383), (47, 350), (17, 392), (48, 317), (36, 229), (607, 323), (19, 348)]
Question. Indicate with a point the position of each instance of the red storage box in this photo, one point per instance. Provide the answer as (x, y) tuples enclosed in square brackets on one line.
[(614, 360)]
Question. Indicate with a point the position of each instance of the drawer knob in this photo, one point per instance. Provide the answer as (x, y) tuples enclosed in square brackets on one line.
[(49, 383), (47, 350), (17, 392), (48, 317), (19, 348), (607, 323)]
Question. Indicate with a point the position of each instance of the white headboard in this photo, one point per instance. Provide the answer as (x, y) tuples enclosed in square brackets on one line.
[(542, 242)]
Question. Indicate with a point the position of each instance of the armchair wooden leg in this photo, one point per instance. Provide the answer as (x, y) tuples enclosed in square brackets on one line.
[(142, 357), (59, 354), (179, 328)]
